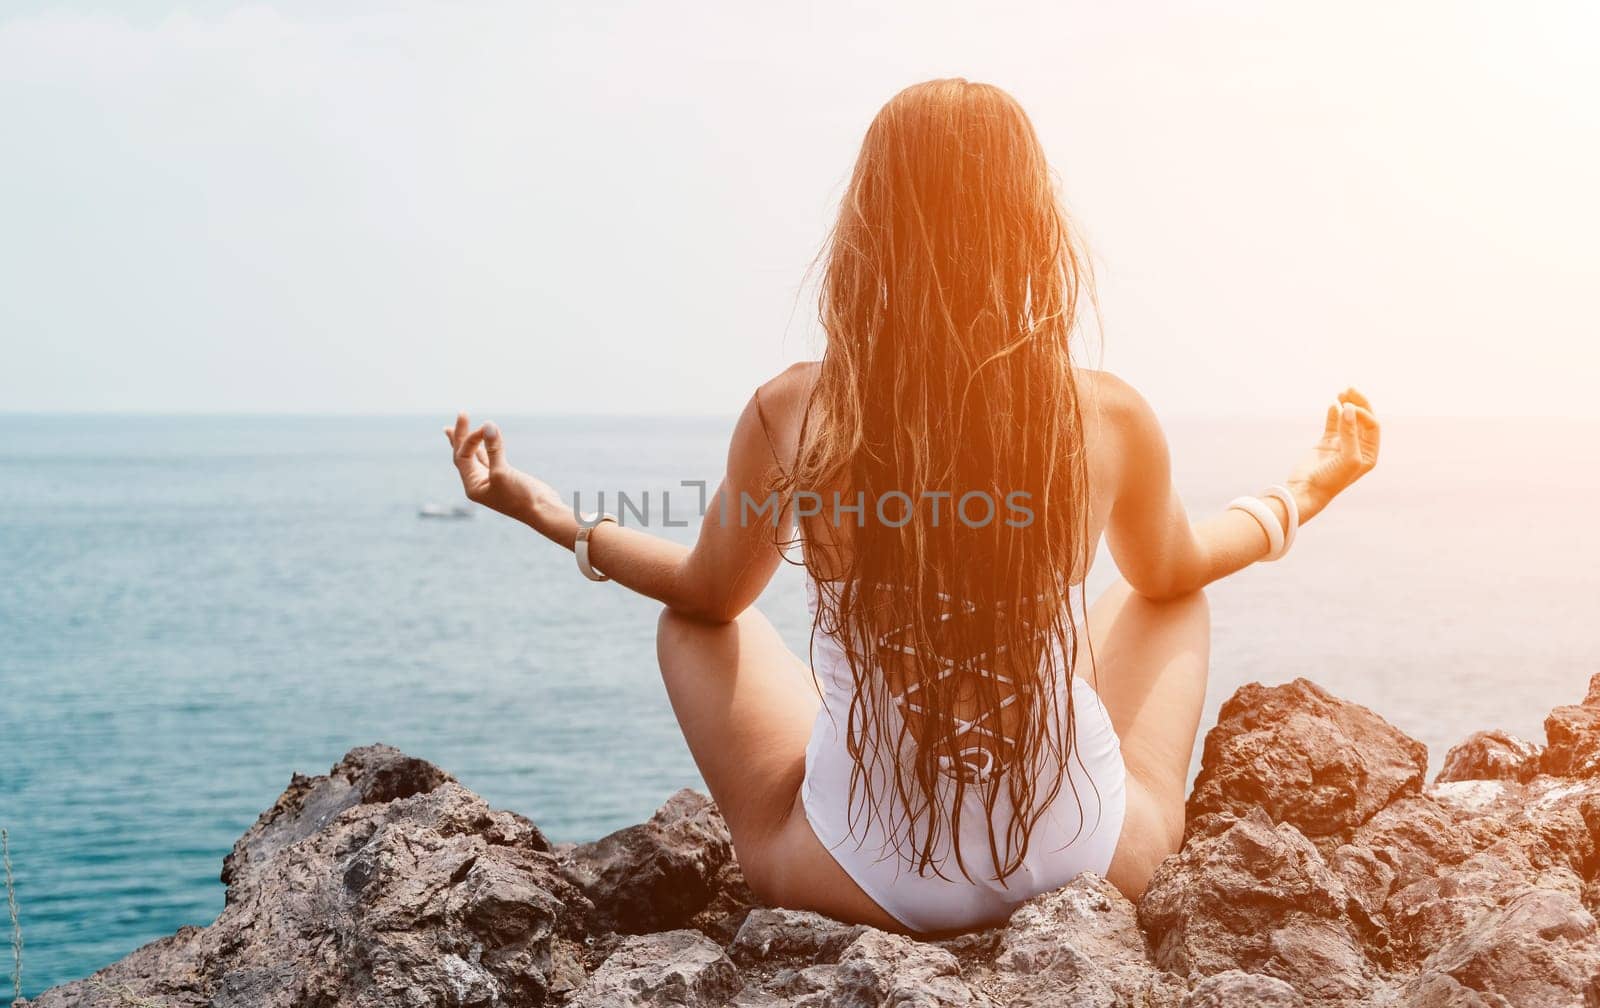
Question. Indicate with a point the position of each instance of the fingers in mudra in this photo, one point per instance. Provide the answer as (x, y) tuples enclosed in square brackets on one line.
[(1361, 430), (471, 460), (487, 477), (1349, 440)]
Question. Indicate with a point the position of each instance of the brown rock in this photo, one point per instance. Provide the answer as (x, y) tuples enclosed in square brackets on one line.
[(1366, 877), (1259, 898), (1307, 758), (731, 901), (1540, 950), (1435, 909), (1456, 857), (657, 875), (1415, 835), (387, 883), (1491, 755), (1572, 737), (1235, 989)]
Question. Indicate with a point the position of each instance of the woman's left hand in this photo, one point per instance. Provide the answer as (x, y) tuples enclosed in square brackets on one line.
[(490, 480)]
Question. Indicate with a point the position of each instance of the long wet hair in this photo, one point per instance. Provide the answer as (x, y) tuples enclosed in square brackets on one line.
[(951, 285)]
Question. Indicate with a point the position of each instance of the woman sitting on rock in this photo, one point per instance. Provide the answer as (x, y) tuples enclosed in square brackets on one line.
[(968, 733)]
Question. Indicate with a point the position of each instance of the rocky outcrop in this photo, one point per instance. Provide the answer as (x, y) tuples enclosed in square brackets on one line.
[(1492, 755), (1573, 735), (1343, 765), (1319, 870)]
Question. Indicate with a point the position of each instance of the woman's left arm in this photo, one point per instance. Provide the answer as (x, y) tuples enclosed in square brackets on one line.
[(716, 580)]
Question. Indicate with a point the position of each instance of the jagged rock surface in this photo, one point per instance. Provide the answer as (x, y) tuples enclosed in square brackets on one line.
[(1318, 871)]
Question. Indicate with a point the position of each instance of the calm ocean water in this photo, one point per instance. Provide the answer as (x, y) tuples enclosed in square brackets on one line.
[(193, 608)]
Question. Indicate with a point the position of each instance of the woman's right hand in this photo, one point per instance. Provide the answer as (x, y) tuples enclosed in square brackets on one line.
[(488, 479), (1347, 451)]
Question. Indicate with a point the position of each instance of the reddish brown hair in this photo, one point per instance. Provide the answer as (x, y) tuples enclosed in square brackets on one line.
[(952, 284)]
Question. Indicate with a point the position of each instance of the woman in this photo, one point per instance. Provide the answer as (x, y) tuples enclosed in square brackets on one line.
[(965, 735)]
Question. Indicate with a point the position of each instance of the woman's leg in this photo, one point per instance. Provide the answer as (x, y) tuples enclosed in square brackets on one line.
[(1150, 666), (746, 705)]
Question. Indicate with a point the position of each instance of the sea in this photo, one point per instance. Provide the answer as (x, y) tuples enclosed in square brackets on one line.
[(193, 608)]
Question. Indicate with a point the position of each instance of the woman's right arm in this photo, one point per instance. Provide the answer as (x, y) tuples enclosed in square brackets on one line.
[(1156, 548)]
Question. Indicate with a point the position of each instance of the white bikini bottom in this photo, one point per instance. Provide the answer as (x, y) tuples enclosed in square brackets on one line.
[(1077, 833)]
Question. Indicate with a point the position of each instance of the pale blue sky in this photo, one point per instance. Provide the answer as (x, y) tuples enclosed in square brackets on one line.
[(609, 208)]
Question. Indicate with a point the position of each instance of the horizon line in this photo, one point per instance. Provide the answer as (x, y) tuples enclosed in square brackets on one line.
[(203, 414)]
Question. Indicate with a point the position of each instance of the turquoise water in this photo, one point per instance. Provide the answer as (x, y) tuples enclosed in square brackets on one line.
[(194, 608)]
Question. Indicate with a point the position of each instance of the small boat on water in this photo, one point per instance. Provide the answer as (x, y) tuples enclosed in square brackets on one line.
[(455, 511)]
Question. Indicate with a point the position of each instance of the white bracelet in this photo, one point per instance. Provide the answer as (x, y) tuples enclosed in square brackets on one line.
[(1257, 509), (1281, 492), (580, 546)]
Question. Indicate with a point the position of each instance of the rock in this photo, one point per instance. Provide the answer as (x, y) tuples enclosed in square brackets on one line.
[(1542, 948), (384, 883), (1491, 755), (1079, 945), (1237, 989), (1088, 913), (677, 968), (370, 775), (1307, 758), (659, 874), (1572, 737), (886, 969), (1471, 796), (791, 938), (1434, 909), (1452, 862), (1367, 878), (1259, 898), (1317, 871), (731, 901)]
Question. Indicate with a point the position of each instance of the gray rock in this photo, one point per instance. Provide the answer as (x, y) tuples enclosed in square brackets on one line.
[(793, 938), (371, 775), (1079, 945), (676, 968), (885, 969), (384, 883)]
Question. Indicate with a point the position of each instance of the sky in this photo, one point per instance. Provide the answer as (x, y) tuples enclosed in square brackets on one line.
[(611, 208)]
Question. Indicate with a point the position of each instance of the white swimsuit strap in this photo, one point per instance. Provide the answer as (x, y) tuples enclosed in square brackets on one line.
[(961, 726), (949, 667)]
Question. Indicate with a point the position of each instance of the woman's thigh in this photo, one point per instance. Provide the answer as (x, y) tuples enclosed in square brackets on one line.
[(1150, 664), (746, 705)]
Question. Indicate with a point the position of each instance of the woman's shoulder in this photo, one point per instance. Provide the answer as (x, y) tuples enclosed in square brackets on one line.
[(791, 384), (777, 408), (1110, 398), (1103, 386), (782, 398), (1100, 392), (1121, 426)]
